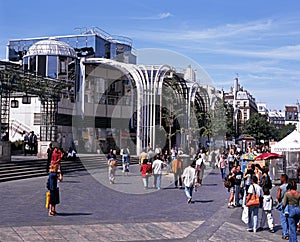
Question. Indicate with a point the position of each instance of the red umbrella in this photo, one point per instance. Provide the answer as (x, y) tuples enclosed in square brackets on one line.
[(268, 155)]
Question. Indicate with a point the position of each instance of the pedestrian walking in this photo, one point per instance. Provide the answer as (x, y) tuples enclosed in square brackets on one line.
[(292, 199), (253, 189), (49, 156), (146, 170), (52, 185), (188, 177), (279, 199), (177, 168), (157, 167), (125, 153), (222, 166), (200, 167), (112, 167), (267, 211)]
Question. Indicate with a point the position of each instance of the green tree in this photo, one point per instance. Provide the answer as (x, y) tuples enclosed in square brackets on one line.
[(286, 130), (259, 128)]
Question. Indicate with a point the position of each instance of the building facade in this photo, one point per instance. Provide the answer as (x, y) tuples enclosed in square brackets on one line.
[(243, 103), (110, 102)]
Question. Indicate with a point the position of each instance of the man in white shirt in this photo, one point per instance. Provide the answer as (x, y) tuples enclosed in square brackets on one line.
[(157, 167), (188, 180)]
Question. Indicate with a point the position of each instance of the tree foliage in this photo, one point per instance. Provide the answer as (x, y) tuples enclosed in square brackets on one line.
[(259, 128)]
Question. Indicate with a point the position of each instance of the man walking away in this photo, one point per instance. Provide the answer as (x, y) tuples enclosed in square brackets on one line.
[(177, 168), (157, 167), (125, 159), (189, 179)]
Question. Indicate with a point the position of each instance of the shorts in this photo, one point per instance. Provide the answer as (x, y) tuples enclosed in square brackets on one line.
[(232, 190)]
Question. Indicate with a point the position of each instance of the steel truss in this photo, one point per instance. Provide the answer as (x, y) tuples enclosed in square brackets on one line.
[(14, 82)]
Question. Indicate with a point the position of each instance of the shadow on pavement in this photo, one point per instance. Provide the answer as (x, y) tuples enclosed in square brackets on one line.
[(203, 201), (209, 185), (73, 214)]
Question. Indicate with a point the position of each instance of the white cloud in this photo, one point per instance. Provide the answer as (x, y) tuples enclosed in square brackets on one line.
[(155, 17)]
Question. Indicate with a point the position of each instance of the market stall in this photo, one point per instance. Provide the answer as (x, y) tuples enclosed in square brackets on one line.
[(290, 148)]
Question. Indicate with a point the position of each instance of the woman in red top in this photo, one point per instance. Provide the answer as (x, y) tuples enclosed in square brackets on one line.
[(146, 170), (56, 156)]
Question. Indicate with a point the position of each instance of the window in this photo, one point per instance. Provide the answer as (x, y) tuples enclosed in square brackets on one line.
[(37, 119), (52, 66)]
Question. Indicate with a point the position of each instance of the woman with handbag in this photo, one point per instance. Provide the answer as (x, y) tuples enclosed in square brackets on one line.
[(253, 203), (54, 177)]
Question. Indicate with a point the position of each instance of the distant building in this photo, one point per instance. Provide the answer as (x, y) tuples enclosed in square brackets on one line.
[(292, 115), (277, 118), (262, 108), (243, 103)]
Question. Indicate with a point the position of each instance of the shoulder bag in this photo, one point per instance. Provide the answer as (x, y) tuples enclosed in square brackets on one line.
[(254, 199)]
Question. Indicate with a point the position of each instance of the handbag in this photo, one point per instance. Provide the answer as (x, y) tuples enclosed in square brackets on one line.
[(47, 199), (254, 199)]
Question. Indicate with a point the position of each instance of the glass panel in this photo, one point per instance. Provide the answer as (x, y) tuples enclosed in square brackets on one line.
[(52, 66)]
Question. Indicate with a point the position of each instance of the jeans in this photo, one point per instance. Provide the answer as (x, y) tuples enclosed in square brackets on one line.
[(237, 189), (189, 191), (284, 223), (223, 173), (157, 180), (145, 181), (294, 215), (253, 224), (125, 162)]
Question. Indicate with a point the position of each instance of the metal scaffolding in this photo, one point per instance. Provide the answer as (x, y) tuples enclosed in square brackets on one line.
[(14, 82)]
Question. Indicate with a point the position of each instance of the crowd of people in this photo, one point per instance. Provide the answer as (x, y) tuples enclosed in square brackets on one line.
[(154, 162), (251, 190)]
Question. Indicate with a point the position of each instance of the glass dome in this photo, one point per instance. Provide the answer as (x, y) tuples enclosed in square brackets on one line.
[(51, 47)]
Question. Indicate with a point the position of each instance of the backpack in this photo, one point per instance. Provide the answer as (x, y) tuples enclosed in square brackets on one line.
[(125, 151)]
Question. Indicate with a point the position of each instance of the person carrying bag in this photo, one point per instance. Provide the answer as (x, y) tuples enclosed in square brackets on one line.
[(253, 204)]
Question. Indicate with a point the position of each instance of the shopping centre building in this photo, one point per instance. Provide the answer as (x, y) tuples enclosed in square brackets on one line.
[(106, 101)]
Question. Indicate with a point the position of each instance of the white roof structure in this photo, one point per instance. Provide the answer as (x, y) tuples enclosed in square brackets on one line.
[(51, 47), (290, 143)]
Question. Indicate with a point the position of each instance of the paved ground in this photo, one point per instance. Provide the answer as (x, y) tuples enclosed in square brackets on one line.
[(93, 210)]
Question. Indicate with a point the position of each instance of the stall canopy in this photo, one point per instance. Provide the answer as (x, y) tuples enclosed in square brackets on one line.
[(267, 156), (290, 143)]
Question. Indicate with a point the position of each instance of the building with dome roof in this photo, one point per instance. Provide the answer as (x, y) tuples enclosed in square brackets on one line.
[(109, 101)]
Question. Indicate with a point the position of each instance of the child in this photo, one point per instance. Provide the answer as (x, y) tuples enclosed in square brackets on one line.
[(267, 211)]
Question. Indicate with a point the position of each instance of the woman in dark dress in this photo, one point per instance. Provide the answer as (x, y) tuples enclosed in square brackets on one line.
[(53, 179)]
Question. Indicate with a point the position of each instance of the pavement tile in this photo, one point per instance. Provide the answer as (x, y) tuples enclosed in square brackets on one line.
[(9, 237)]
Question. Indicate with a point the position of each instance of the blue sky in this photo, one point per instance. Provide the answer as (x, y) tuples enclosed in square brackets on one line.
[(259, 40)]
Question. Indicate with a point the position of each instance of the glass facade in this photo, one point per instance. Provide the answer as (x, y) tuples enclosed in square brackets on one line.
[(101, 47)]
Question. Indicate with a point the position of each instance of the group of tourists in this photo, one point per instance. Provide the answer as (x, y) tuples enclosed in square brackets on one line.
[(30, 143), (251, 190)]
